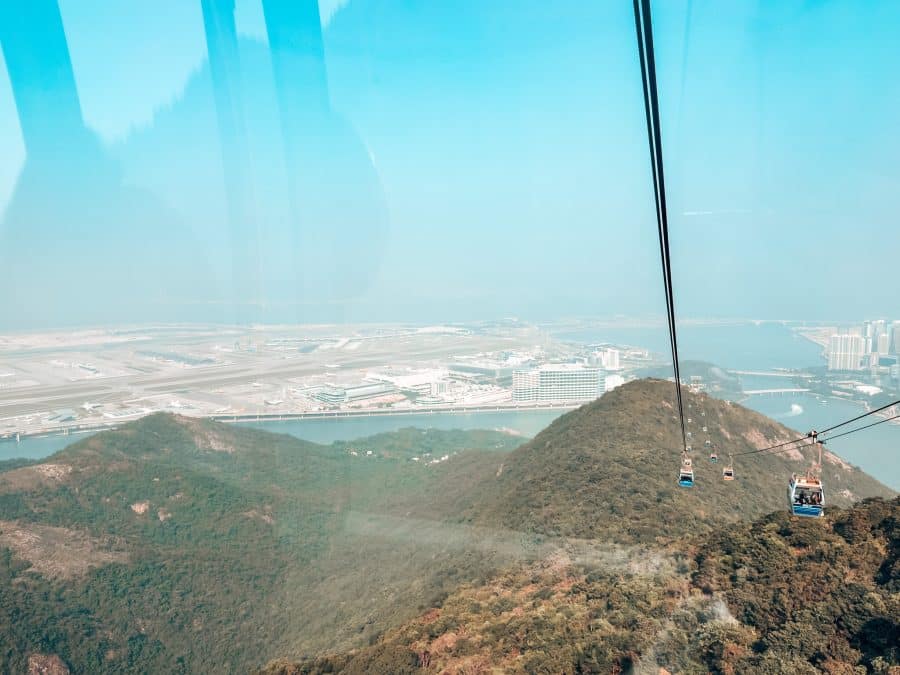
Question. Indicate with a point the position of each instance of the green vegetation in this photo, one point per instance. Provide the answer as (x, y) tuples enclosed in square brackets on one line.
[(608, 471), (230, 546), (775, 596), (180, 545)]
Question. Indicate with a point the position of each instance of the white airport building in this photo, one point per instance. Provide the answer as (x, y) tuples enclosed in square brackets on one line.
[(558, 382)]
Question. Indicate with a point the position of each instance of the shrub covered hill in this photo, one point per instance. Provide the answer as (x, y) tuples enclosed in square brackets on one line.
[(609, 470), (643, 576), (182, 545), (779, 596)]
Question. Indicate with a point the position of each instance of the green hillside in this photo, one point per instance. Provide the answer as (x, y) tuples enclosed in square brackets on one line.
[(609, 471), (778, 596), (181, 545)]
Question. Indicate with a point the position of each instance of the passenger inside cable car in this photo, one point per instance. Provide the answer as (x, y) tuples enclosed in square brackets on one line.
[(806, 496)]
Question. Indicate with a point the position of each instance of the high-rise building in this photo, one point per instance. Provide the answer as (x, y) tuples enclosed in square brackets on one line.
[(558, 382), (845, 352), (883, 344), (873, 332), (895, 337), (611, 359), (526, 384)]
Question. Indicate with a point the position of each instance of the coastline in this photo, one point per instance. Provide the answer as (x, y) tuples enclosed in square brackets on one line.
[(313, 415)]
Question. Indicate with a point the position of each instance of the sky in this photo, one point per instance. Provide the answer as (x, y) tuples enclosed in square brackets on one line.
[(501, 148)]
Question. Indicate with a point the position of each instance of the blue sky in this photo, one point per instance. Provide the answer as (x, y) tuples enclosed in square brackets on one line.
[(508, 140)]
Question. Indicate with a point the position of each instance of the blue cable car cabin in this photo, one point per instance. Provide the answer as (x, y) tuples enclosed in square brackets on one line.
[(686, 475), (806, 497)]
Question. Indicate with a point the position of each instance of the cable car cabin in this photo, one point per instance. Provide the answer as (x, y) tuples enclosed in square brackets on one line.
[(689, 434), (806, 496), (686, 475), (705, 430), (727, 473), (713, 457), (707, 443), (688, 420)]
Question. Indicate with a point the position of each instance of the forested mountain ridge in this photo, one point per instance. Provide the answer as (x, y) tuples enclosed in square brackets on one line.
[(182, 545), (776, 596), (609, 469)]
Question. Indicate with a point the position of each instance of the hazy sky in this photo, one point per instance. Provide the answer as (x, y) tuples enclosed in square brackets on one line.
[(509, 142)]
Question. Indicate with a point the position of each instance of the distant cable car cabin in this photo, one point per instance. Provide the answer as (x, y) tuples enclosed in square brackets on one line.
[(806, 494), (728, 471), (686, 475), (707, 443), (713, 457), (705, 430)]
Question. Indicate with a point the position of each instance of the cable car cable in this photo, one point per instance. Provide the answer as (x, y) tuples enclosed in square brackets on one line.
[(873, 424), (859, 417), (644, 30), (825, 431)]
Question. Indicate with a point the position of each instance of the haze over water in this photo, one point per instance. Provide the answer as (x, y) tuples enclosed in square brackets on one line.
[(734, 346), (738, 346)]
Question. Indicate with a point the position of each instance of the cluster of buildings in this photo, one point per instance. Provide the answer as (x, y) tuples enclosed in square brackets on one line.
[(471, 381), (484, 379), (873, 346), (561, 382)]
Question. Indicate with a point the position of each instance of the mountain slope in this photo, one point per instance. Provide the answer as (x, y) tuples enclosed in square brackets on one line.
[(609, 470), (182, 545), (637, 573), (776, 596)]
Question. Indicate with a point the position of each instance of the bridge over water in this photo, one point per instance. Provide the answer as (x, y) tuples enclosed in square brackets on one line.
[(775, 392), (772, 373)]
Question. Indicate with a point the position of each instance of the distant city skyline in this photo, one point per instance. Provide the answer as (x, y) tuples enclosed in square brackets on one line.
[(872, 344), (495, 156)]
